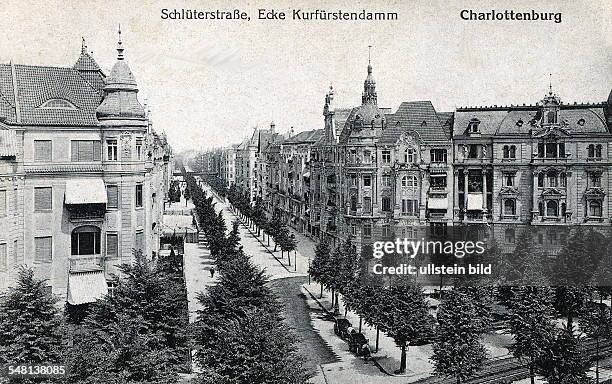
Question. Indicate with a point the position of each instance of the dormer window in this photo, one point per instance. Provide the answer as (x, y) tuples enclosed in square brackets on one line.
[(473, 126), (551, 117), (57, 104)]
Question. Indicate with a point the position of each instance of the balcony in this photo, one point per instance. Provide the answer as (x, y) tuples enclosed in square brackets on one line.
[(85, 263)]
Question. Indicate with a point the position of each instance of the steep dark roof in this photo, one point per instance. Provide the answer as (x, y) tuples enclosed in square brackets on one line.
[(421, 117), (37, 85), (305, 137)]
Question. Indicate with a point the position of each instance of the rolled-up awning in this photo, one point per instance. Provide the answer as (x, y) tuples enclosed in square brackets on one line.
[(86, 287), (85, 191), (474, 201), (437, 203)]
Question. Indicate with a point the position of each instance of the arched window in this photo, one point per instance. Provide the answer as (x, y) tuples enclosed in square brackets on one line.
[(512, 152), (506, 152), (57, 104), (540, 180), (591, 150), (409, 181), (552, 208), (510, 207), (595, 208), (552, 178), (563, 179), (85, 240), (353, 203), (409, 155), (551, 117), (598, 151)]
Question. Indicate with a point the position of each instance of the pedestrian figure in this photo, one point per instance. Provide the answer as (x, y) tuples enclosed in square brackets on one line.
[(212, 272), (365, 350)]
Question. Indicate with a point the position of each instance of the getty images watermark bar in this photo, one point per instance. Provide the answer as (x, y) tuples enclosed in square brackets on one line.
[(482, 256)]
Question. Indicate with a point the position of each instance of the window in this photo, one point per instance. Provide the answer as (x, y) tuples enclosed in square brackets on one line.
[(508, 179), (139, 241), (409, 155), (58, 104), (367, 181), (386, 204), (353, 180), (386, 231), (551, 150), (85, 150), (42, 249), (138, 195), (112, 245), (552, 179), (386, 156), (3, 257), (111, 150), (353, 230), (551, 117), (367, 230), (598, 151), (139, 142), (595, 208), (112, 196), (386, 181), (472, 151), (353, 203), (541, 180), (2, 203), (367, 204), (437, 181), (552, 237), (552, 208), (410, 207), (367, 157), (409, 181), (42, 150), (43, 199), (563, 179), (85, 240), (595, 179), (510, 235), (438, 155), (473, 126), (510, 207)]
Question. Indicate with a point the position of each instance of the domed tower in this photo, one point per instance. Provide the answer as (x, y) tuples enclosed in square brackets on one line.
[(120, 105), (368, 115)]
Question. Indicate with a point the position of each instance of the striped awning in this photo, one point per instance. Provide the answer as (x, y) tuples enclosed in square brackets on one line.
[(86, 287), (85, 191), (8, 143)]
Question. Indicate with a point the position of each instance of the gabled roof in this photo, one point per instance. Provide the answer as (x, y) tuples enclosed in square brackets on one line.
[(421, 117), (36, 85), (305, 137)]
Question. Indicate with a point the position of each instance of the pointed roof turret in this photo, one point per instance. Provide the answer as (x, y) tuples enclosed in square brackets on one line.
[(369, 85), (85, 61), (120, 101)]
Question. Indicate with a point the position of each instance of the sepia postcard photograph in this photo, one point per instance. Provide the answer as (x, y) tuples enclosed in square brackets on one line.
[(306, 192)]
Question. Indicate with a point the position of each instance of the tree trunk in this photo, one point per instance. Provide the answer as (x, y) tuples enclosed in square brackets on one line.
[(597, 359), (531, 371), (336, 305), (321, 295), (377, 335), (345, 311), (360, 321), (402, 368), (333, 296)]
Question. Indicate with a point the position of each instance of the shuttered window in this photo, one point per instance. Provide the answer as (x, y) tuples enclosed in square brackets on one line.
[(2, 203), (85, 150), (112, 196), (42, 249), (42, 150), (43, 199), (112, 245), (139, 244), (3, 255)]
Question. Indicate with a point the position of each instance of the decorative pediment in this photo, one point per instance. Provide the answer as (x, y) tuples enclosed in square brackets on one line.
[(594, 193), (509, 191), (550, 132), (553, 192)]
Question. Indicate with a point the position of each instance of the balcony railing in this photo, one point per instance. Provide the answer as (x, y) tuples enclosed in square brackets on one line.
[(86, 263)]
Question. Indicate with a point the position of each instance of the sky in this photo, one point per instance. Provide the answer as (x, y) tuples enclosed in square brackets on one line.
[(209, 83)]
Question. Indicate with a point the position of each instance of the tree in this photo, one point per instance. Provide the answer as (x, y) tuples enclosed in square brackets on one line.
[(531, 324), (320, 268), (565, 361), (406, 317), (596, 322), (458, 351), (29, 322)]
